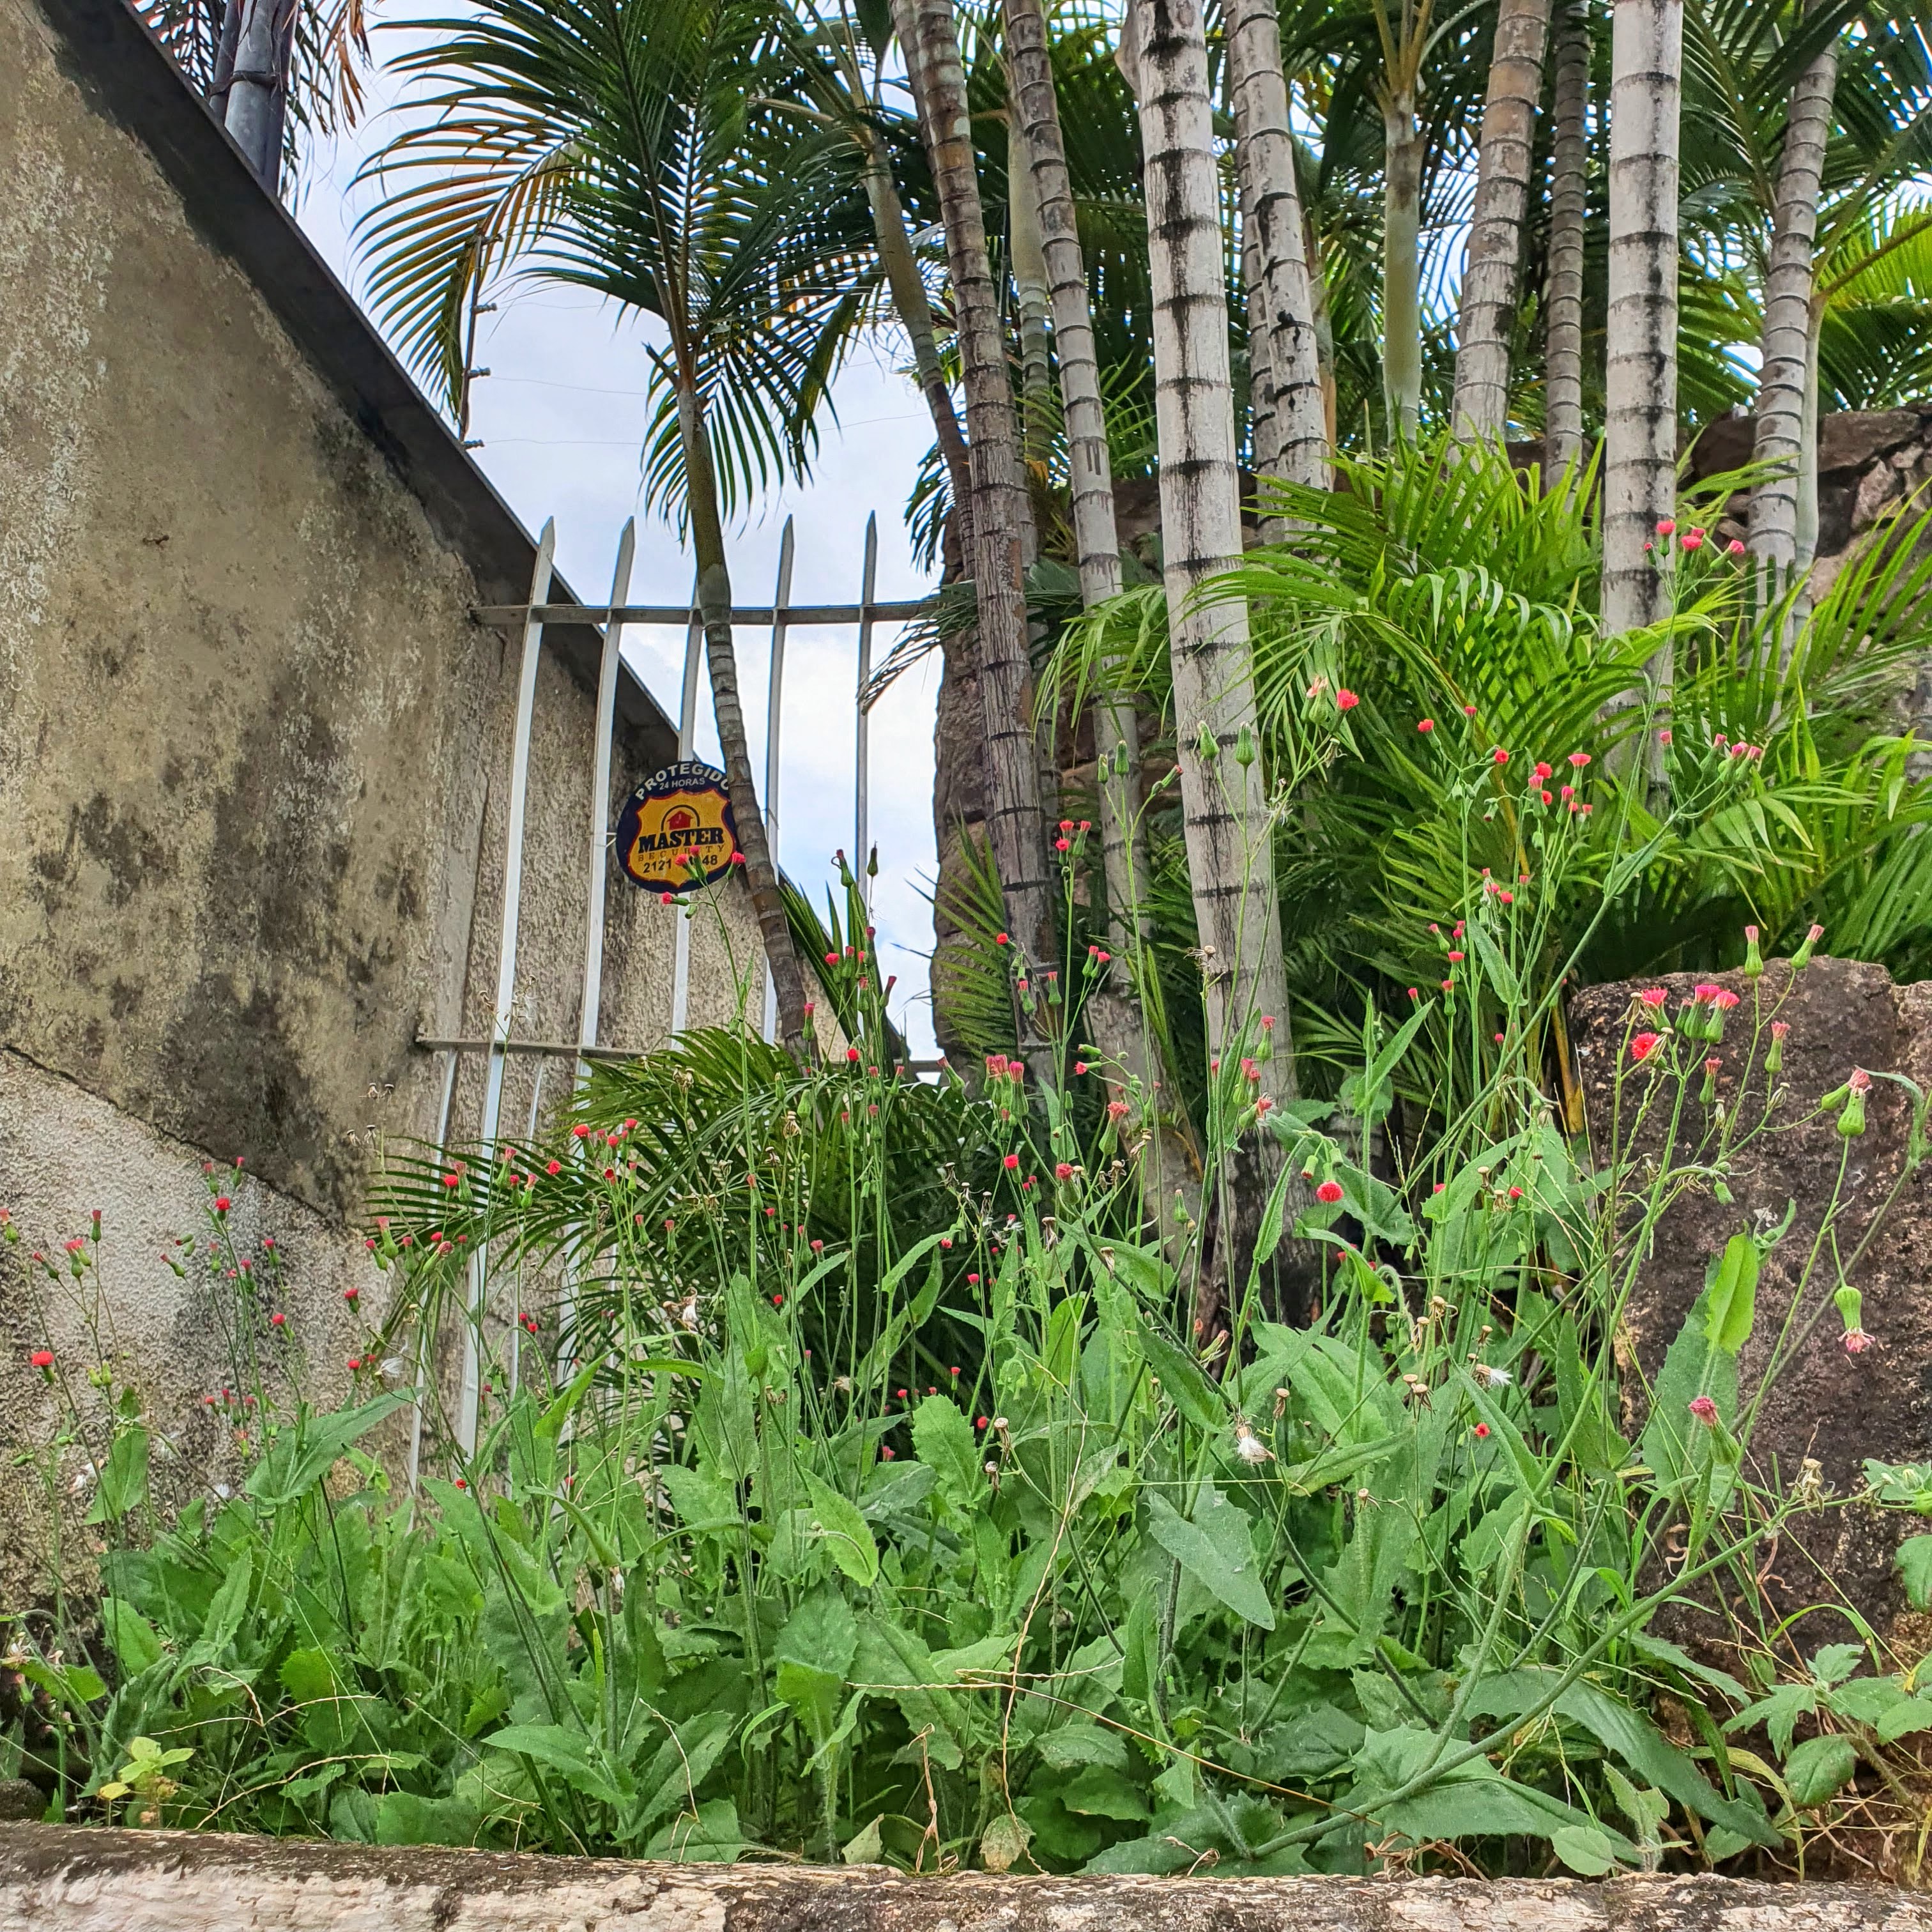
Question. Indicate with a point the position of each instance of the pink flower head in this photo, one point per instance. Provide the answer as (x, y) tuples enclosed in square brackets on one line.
[(1542, 770), (1346, 700), (222, 1203), (1653, 996), (1711, 1065), (1860, 1081), (1001, 939), (1734, 548), (1663, 736), (278, 1320), (1117, 1110), (1500, 756), (1012, 1161), (1468, 711), (1329, 1193), (42, 1358), (1666, 526), (852, 1055), (1723, 999), (1779, 1028), (1704, 1410), (1693, 539), (1579, 759), (1644, 1046), (1702, 994), (1062, 845), (1267, 1023), (1857, 1342), (1425, 725), (1063, 1170)]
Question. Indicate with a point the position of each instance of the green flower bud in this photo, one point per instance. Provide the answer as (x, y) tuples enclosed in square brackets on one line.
[(1204, 744), (1852, 1119), (1802, 957), (1244, 747), (1753, 958)]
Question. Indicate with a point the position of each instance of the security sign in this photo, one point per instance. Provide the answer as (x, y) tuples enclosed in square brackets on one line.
[(677, 831)]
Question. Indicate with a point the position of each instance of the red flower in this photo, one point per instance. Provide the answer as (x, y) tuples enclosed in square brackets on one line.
[(1779, 1028), (1346, 700), (1734, 548), (1515, 1194), (355, 1363), (1724, 999), (1665, 527), (852, 1054), (1500, 756), (1644, 1046), (1117, 1110), (1425, 724), (1063, 1171), (1012, 1161), (553, 1167), (222, 1203), (1062, 845), (1482, 1432), (778, 1301), (1542, 771), (737, 858), (42, 1358), (460, 1483), (1694, 539), (1704, 1410), (667, 898), (1653, 996), (1329, 1192), (1001, 939), (278, 1320), (974, 1279), (351, 1294), (1579, 759), (1456, 958), (581, 1131), (1468, 711)]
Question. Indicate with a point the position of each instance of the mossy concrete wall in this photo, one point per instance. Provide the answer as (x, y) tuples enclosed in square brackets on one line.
[(254, 751)]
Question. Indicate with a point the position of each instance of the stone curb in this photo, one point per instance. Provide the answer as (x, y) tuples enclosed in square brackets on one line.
[(79, 1879)]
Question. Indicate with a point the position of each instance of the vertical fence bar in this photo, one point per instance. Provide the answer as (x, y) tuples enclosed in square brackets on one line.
[(453, 1059), (774, 711), (589, 1007), (687, 745), (506, 961), (861, 735)]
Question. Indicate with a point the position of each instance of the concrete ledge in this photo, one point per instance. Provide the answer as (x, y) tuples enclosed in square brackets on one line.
[(68, 1879)]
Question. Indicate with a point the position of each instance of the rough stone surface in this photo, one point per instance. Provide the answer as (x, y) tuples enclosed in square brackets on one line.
[(60, 1879), (1835, 1408), (254, 765)]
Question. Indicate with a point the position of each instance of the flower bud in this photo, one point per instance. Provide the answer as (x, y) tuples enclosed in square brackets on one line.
[(1852, 1117), (1753, 958), (1774, 1058), (1205, 745), (1802, 957), (1244, 747)]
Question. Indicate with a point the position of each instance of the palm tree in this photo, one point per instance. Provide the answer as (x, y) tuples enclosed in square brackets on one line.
[(1224, 811), (1640, 365), (1563, 314), (1787, 377), (1505, 151), (1129, 1044), (1405, 40), (1291, 421), (607, 143), (931, 44)]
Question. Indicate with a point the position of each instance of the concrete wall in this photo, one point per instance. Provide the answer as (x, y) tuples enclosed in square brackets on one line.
[(253, 749)]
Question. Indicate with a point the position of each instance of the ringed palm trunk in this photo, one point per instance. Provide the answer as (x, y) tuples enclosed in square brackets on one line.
[(1785, 379), (1563, 325), (1401, 264), (1506, 149), (1281, 302), (1128, 1046), (1640, 364), (714, 606), (1032, 297), (257, 82), (1230, 856), (931, 44)]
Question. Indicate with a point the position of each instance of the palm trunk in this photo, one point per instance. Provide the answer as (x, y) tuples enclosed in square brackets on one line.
[(1640, 364), (714, 604), (256, 84), (1402, 266), (1784, 378), (908, 289), (1287, 358), (1263, 425), (1129, 1046), (1230, 854), (932, 47), (1032, 296), (1479, 412), (1563, 314)]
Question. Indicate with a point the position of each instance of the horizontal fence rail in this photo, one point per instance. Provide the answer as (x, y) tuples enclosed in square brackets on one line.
[(513, 616)]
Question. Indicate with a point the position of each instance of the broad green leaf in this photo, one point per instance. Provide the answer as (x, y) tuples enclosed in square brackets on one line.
[(1216, 1547), (946, 1442), (1818, 1767), (1915, 1566), (566, 1752), (302, 1455), (123, 1477), (1584, 1848), (847, 1536), (702, 1502), (710, 1835), (1079, 1744), (130, 1635), (1182, 1382), (1732, 1301), (1098, 1792)]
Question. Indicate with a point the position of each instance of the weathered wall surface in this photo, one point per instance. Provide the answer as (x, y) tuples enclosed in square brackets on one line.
[(254, 751), (1832, 1407), (68, 1879)]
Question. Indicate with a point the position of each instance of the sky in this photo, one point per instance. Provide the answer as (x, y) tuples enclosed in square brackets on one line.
[(561, 418)]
